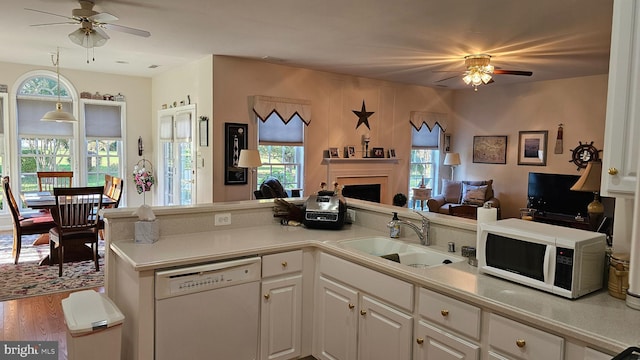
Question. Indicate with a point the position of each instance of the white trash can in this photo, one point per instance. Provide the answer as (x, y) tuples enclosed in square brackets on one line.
[(94, 326)]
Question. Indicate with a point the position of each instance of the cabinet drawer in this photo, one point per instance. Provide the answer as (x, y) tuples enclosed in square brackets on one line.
[(282, 263), (456, 315), (522, 341)]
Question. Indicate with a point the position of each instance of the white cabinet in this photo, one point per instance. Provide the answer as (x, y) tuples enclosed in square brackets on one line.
[(622, 127), (511, 340), (281, 310), (444, 324), (364, 315)]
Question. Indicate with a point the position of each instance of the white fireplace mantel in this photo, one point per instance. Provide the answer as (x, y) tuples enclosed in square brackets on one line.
[(358, 171)]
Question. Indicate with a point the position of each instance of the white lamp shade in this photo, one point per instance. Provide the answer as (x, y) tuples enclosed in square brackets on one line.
[(58, 115), (89, 38), (452, 159), (249, 159), (590, 179)]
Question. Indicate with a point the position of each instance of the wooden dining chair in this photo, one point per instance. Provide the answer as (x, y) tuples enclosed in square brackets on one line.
[(47, 180), (113, 190), (75, 223), (31, 224)]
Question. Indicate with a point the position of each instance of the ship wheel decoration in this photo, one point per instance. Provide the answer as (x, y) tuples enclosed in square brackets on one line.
[(584, 153)]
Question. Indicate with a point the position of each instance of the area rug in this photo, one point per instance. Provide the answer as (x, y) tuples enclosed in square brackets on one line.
[(27, 278)]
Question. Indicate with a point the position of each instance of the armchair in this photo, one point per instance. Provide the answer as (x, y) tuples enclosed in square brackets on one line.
[(271, 188), (456, 193)]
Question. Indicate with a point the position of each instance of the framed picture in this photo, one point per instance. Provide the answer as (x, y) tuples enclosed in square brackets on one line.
[(490, 149), (377, 152), (204, 131), (447, 142), (392, 153), (532, 148), (235, 139), (333, 153), (350, 151)]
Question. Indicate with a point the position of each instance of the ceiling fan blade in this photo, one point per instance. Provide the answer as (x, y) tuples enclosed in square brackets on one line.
[(126, 29), (447, 78), (512, 72), (61, 23), (103, 18), (49, 13)]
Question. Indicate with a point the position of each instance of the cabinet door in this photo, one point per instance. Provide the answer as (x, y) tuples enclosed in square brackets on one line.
[(622, 127), (281, 315), (519, 341), (385, 333), (336, 326), (434, 343)]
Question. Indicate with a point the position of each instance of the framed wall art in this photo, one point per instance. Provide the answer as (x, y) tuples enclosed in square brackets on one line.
[(204, 131), (235, 139), (490, 149), (333, 153), (377, 152), (532, 148)]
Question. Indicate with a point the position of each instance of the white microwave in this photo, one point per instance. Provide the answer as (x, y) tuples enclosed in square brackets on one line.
[(560, 260)]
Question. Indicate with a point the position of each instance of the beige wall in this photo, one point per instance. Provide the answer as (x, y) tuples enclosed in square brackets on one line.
[(135, 89), (194, 79), (578, 103), (333, 123)]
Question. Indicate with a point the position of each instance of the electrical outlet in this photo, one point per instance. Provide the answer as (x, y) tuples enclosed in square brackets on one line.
[(351, 216), (222, 219)]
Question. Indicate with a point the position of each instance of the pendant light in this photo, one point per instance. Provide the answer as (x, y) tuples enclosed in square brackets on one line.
[(58, 114)]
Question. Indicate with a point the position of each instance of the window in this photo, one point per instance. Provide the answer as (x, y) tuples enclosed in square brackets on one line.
[(3, 115), (103, 130), (425, 153), (42, 146), (281, 150)]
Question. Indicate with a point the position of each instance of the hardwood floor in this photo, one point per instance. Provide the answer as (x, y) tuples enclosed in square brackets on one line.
[(36, 318)]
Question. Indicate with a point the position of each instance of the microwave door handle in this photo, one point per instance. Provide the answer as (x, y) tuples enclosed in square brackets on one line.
[(548, 255)]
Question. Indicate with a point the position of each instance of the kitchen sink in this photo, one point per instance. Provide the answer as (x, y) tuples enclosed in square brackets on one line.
[(400, 251)]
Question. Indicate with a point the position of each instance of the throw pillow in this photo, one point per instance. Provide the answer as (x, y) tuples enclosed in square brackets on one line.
[(473, 195), (451, 191), (489, 184)]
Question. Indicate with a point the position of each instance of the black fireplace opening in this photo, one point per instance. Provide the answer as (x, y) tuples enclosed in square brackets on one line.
[(367, 192)]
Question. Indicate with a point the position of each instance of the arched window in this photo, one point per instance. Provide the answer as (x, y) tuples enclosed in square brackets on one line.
[(42, 146)]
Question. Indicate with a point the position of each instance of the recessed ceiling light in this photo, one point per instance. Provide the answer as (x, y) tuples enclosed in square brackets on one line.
[(121, 62), (153, 66)]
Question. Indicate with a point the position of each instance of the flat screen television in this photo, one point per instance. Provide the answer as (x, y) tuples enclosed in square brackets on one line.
[(549, 193)]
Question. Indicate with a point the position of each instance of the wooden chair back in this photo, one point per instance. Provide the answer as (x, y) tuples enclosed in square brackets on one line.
[(113, 189), (75, 219), (11, 200), (47, 180)]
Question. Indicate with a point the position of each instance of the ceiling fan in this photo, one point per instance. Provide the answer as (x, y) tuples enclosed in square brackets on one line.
[(479, 71), (91, 32)]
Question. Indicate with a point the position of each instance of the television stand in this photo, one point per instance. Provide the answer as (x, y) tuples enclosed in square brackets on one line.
[(563, 220)]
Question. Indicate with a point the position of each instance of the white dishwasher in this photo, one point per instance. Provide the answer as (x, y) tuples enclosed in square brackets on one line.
[(208, 311)]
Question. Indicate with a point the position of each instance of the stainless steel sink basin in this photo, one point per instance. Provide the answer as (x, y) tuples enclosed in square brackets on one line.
[(407, 254)]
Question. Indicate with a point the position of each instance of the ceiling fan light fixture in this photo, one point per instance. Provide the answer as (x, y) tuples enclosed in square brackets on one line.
[(479, 70), (88, 38)]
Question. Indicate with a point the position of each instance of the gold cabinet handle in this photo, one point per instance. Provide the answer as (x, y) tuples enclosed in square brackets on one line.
[(521, 343), (444, 312), (351, 306), (267, 296), (420, 341), (613, 171), (284, 264), (363, 312)]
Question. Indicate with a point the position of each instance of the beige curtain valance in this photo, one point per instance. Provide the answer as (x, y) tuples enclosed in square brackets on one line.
[(263, 106), (431, 119)]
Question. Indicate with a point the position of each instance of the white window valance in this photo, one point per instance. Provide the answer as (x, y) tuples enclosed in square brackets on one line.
[(431, 119), (263, 106)]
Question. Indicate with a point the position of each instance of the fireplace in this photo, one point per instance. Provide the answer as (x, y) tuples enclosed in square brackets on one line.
[(368, 192), (364, 176)]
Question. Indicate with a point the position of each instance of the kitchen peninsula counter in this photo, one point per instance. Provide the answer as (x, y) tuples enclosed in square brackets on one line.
[(596, 320)]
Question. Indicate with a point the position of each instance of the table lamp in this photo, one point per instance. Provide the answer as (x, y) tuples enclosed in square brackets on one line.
[(453, 160), (590, 181), (250, 159)]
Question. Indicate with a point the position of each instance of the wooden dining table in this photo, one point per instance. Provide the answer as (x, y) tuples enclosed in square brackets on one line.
[(44, 200)]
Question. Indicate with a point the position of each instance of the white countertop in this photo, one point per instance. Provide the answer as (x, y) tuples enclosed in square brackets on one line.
[(598, 319)]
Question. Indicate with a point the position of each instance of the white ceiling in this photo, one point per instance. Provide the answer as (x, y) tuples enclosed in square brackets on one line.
[(409, 41)]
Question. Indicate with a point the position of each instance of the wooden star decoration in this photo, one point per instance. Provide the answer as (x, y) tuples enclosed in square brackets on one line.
[(363, 116)]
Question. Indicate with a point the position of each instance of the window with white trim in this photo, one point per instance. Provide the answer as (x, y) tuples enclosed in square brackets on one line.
[(281, 147), (104, 141), (423, 168)]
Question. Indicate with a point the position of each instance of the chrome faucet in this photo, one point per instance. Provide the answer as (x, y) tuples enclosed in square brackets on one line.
[(423, 233)]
